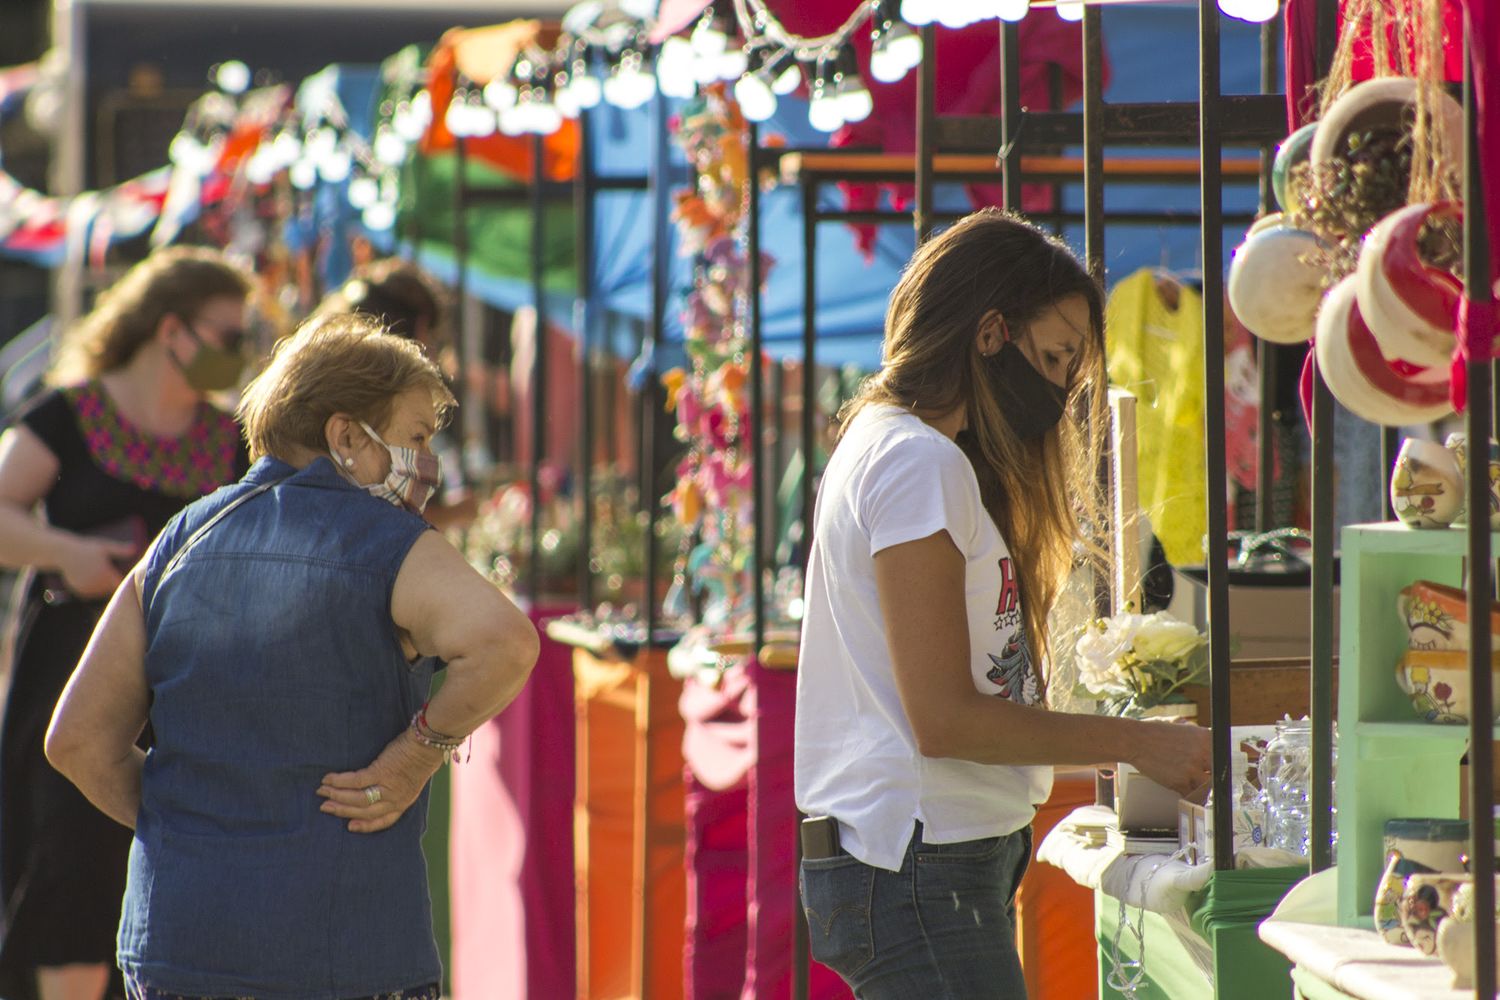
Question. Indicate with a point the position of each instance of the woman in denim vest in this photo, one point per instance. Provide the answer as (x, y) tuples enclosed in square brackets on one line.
[(280, 637)]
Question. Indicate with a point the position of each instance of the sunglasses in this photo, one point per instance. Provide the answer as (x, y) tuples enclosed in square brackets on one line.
[(233, 338)]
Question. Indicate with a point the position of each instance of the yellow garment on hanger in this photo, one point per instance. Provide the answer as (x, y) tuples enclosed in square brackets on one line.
[(1156, 352)]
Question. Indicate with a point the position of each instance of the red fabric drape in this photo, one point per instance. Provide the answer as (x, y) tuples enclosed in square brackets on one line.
[(1478, 320)]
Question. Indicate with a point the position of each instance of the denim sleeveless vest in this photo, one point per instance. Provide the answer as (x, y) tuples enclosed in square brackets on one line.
[(272, 660)]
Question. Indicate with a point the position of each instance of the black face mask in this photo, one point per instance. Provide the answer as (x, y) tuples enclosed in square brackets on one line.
[(1031, 402)]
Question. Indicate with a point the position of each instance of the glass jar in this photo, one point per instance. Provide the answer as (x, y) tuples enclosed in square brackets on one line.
[(1285, 778)]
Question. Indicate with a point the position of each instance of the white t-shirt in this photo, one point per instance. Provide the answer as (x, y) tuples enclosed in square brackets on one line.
[(894, 479)]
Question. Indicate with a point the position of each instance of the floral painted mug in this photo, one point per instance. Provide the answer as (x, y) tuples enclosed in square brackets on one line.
[(1415, 847), (1458, 445), (1427, 486), (1426, 903)]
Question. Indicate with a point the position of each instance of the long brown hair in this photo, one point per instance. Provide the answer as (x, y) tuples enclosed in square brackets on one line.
[(1039, 493), (173, 281)]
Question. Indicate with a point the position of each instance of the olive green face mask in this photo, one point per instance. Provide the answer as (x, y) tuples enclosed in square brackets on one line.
[(211, 369)]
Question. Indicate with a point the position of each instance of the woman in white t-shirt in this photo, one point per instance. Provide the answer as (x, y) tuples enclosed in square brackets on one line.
[(947, 521)]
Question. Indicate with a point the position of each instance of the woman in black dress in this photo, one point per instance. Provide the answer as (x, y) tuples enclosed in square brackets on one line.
[(123, 440)]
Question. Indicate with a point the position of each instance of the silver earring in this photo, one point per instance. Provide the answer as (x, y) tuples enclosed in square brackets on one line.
[(348, 462)]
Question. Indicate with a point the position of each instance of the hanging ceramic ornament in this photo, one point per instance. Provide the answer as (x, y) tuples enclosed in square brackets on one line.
[(1275, 284), (1410, 306), (1386, 105), (1369, 384), (1292, 151), (1265, 222)]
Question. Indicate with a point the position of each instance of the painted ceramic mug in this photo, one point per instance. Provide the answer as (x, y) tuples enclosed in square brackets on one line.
[(1415, 847), (1458, 445), (1426, 485), (1426, 903), (1455, 938)]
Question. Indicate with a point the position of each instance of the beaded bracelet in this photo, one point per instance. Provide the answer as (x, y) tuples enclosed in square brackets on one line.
[(429, 737)]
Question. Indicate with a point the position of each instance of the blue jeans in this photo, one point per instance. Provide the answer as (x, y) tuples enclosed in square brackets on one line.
[(942, 928)]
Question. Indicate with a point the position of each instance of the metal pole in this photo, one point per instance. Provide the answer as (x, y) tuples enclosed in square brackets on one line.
[(471, 421), (538, 365), (778, 448), (1481, 570), (583, 260), (756, 430), (801, 954), (661, 264), (1010, 116), (1269, 356), (1093, 141), (1211, 195), (1320, 822), (926, 131)]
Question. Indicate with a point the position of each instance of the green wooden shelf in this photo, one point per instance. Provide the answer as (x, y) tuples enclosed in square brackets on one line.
[(1390, 763)]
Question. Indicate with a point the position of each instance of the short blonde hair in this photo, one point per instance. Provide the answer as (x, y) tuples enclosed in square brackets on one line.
[(335, 364)]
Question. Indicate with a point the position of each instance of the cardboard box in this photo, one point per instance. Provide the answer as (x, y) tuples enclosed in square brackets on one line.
[(1195, 826), (1145, 808)]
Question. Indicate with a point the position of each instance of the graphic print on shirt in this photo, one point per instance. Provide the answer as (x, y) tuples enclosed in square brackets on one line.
[(1012, 671)]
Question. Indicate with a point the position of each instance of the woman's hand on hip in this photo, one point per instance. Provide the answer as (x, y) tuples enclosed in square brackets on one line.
[(373, 798)]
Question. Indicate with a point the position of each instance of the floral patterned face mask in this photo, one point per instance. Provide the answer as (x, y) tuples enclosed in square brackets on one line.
[(413, 479)]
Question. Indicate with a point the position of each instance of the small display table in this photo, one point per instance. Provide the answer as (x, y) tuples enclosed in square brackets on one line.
[(1351, 963)]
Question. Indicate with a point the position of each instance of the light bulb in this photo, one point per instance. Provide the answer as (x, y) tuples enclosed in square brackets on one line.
[(389, 148), (304, 174), (232, 77), (756, 100), (406, 124), (456, 118), (363, 192), (421, 106), (708, 41), (566, 102), (823, 110), (898, 50), (676, 68), (1011, 10), (918, 12), (732, 64), (788, 80), (334, 168), (585, 88), (1069, 10), (854, 101), (379, 216), (500, 93), (481, 120), (321, 142), (545, 118), (955, 14), (513, 120), (285, 149), (261, 167), (1255, 11), (629, 86), (185, 151)]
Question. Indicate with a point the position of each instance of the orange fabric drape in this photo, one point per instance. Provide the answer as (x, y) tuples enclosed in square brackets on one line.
[(1054, 914), (482, 54)]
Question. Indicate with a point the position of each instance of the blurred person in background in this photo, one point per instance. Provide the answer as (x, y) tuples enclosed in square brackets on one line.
[(123, 439)]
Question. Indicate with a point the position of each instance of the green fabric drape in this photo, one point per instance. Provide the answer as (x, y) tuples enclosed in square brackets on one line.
[(499, 233), (1223, 918)]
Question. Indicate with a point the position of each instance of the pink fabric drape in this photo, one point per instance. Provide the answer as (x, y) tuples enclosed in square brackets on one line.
[(742, 875), (511, 842)]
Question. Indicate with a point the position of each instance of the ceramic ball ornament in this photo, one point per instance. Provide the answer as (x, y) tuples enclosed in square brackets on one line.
[(1366, 381), (1294, 149), (1275, 284), (1410, 307)]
